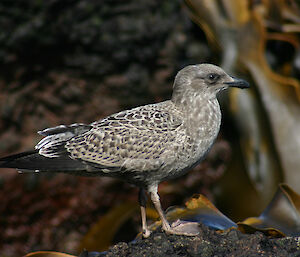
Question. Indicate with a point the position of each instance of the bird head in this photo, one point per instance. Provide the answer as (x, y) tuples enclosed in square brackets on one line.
[(205, 80)]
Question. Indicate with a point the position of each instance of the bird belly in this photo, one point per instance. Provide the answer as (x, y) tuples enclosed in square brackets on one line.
[(191, 156)]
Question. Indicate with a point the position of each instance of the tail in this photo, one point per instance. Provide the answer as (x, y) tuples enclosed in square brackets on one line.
[(50, 154), (33, 161)]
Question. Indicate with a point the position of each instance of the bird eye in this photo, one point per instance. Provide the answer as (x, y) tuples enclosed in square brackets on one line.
[(212, 77)]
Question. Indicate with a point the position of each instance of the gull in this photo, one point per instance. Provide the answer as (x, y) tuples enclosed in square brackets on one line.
[(142, 146)]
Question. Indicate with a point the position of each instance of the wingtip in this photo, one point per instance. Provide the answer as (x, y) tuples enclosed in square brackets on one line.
[(7, 161)]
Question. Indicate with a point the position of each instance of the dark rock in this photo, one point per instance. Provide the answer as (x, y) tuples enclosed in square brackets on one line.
[(208, 243), (54, 54)]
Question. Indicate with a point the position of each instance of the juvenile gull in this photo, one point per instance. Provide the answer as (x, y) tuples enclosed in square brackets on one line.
[(144, 145)]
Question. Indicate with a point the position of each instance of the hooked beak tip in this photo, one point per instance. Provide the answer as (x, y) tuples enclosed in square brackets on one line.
[(240, 83)]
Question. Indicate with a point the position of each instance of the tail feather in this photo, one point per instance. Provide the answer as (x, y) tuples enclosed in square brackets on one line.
[(50, 153), (53, 144), (33, 161)]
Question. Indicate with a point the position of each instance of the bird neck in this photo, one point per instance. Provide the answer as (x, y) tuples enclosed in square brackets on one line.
[(195, 102), (202, 114)]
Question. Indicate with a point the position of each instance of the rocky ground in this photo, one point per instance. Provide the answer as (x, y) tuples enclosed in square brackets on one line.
[(208, 243)]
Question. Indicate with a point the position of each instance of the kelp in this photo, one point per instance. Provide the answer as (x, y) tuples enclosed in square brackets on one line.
[(280, 218), (48, 254), (101, 234), (269, 114), (198, 209)]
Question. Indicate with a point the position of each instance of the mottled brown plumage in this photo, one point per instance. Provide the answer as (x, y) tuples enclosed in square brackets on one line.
[(144, 145)]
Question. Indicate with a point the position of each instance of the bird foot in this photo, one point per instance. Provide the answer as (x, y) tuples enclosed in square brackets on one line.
[(181, 227), (146, 233)]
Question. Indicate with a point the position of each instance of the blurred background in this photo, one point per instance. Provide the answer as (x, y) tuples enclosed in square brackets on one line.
[(78, 61)]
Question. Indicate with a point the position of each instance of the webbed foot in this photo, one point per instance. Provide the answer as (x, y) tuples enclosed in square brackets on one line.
[(181, 227)]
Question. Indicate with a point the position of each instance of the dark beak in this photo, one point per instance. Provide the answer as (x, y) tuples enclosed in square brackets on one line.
[(240, 83)]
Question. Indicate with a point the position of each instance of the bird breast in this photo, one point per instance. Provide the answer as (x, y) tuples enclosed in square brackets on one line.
[(202, 127)]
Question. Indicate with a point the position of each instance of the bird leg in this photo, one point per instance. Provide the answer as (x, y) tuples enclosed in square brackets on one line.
[(178, 227), (156, 202), (143, 202)]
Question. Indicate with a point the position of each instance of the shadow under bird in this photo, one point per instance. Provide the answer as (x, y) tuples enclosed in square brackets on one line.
[(144, 145)]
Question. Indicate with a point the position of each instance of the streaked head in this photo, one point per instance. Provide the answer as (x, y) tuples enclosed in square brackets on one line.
[(204, 79)]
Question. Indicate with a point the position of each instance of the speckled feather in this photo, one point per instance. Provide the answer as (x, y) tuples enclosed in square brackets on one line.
[(134, 140)]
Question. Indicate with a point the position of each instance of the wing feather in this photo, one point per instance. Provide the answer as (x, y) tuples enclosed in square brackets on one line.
[(141, 138)]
